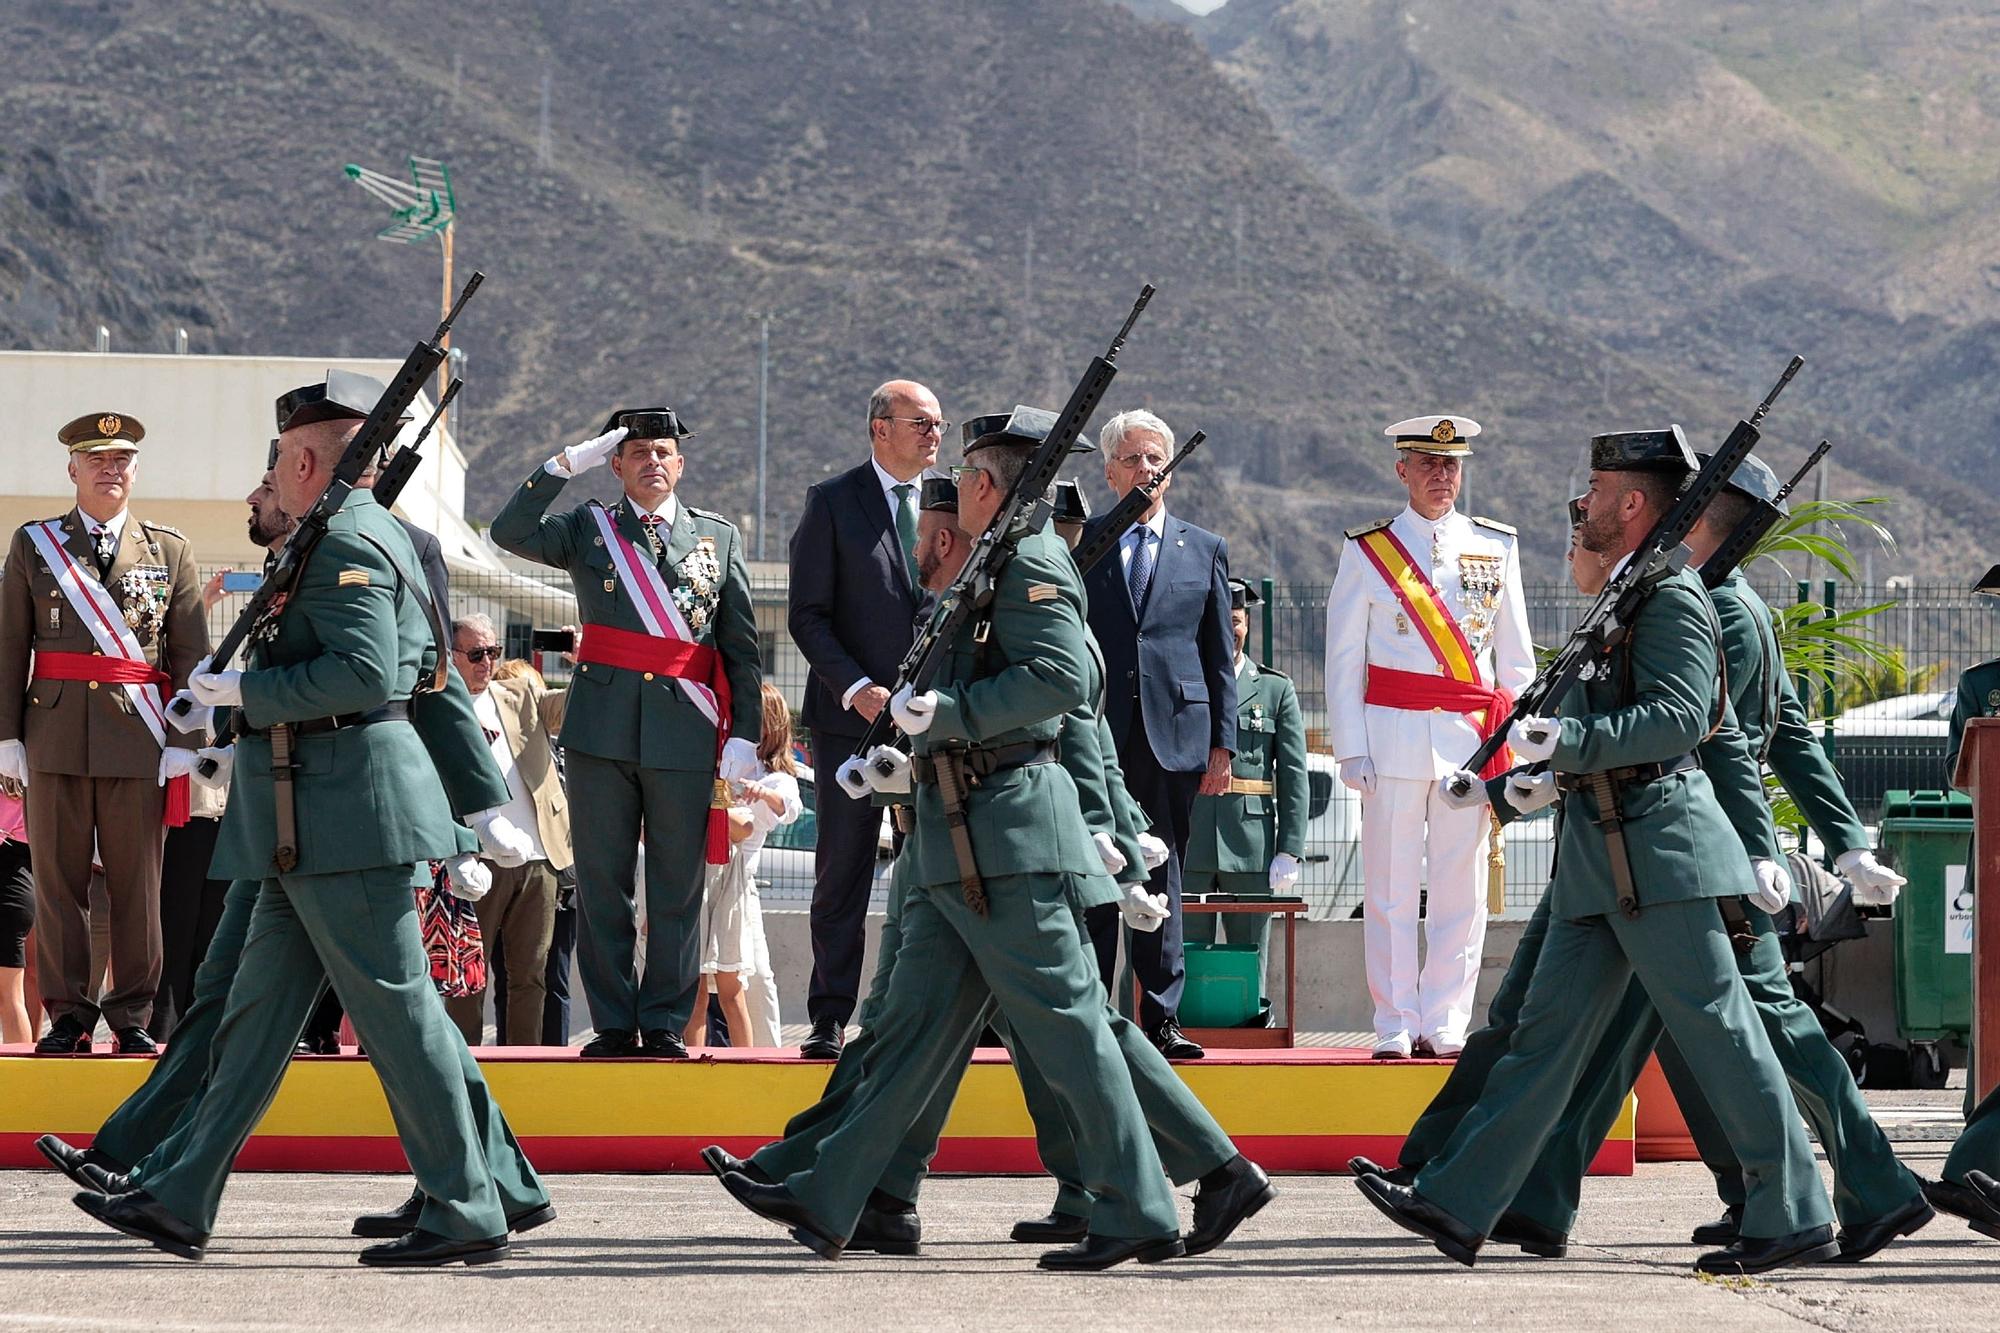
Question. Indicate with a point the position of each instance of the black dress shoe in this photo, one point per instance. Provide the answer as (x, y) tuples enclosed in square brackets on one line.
[(1988, 1189), (663, 1044), (142, 1217), (775, 1203), (1858, 1243), (427, 1249), (66, 1036), (136, 1041), (1174, 1043), (1722, 1231), (1752, 1254), (1529, 1236), (1395, 1175), (402, 1219), (721, 1162), (71, 1161), (1228, 1196), (1966, 1202), (1094, 1254), (888, 1225), (101, 1181), (611, 1044), (1412, 1212), (828, 1036), (1055, 1227)]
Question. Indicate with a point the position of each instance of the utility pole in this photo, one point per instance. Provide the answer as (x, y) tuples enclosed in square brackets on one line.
[(763, 420)]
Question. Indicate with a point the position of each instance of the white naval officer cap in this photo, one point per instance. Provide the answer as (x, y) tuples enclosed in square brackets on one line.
[(1435, 435)]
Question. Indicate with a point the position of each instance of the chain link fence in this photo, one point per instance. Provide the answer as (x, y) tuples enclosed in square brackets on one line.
[(1883, 738)]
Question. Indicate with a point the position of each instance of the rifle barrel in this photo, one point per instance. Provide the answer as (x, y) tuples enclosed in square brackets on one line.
[(1776, 389), (1812, 461)]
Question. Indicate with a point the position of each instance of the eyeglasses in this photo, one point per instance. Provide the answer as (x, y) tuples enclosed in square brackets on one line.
[(479, 654), (1136, 461), (924, 425), (961, 471)]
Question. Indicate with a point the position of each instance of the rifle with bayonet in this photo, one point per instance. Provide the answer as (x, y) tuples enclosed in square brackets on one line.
[(374, 438), (1130, 505), (1764, 515), (1609, 620)]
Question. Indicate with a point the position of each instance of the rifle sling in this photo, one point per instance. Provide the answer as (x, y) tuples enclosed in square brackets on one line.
[(951, 781), (284, 806)]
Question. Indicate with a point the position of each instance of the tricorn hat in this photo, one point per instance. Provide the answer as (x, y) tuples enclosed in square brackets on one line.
[(1576, 511), (940, 493), (96, 431), (344, 395), (1024, 425), (1752, 479), (1989, 585), (1642, 451), (648, 423), (1243, 596), (1072, 506)]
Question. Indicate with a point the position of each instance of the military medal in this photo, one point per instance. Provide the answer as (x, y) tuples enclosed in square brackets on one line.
[(1402, 623), (1479, 589), (1993, 702), (700, 584)]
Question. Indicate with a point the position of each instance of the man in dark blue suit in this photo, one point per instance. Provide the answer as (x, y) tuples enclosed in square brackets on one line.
[(854, 597), (1159, 606)]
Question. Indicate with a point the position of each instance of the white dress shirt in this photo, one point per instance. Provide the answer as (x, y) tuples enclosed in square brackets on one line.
[(520, 807)]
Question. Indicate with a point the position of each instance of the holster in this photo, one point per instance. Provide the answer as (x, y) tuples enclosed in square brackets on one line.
[(949, 768), (283, 798)]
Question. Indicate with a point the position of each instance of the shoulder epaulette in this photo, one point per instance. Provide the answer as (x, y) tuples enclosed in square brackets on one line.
[(1496, 525), (1363, 529), (711, 515), (1270, 670)]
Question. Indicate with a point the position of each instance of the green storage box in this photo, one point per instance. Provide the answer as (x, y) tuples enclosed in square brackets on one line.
[(1223, 988), (1927, 836)]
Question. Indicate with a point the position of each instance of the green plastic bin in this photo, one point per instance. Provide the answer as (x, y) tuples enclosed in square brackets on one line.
[(1223, 989), (1927, 836)]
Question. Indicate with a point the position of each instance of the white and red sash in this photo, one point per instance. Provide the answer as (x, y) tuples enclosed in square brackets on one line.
[(124, 662)]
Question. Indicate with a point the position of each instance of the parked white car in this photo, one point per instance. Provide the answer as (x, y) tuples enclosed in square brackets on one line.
[(785, 870)]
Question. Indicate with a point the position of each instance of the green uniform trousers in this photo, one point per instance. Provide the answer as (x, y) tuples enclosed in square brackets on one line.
[(1237, 927), (671, 808), (359, 930), (143, 1120), (1978, 1148), (1026, 954), (1680, 954)]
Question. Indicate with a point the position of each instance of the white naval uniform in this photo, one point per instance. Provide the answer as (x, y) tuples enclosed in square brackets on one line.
[(1405, 828)]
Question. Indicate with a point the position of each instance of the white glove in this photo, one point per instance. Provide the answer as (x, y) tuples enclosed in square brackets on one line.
[(1774, 885), (583, 457), (176, 763), (1533, 739), (1284, 871), (217, 689), (14, 761), (1155, 850), (739, 760), (887, 771), (1358, 775), (1875, 885), (853, 779), (467, 877), (1529, 792), (1107, 852), (913, 713), (224, 759), (197, 718), (1144, 912), (501, 840), (1473, 793)]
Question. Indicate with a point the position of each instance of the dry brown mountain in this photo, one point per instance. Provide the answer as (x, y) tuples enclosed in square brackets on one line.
[(968, 192)]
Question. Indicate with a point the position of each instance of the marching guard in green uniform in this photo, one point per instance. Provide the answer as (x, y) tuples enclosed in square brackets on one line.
[(338, 840), (1639, 719), (667, 666), (1252, 839)]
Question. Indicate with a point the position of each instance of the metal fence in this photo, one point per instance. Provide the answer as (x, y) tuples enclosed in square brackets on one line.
[(1891, 743)]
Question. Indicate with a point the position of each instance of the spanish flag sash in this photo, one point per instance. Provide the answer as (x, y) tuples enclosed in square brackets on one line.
[(1459, 688)]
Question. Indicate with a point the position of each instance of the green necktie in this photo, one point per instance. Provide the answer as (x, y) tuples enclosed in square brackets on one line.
[(906, 528)]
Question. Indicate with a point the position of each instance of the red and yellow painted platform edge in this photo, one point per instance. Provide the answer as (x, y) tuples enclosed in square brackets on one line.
[(1291, 1110)]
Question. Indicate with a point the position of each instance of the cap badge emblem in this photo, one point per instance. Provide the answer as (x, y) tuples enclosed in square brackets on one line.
[(108, 424), (1444, 432)]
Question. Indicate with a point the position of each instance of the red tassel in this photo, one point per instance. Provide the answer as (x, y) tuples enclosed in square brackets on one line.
[(175, 812), (718, 837)]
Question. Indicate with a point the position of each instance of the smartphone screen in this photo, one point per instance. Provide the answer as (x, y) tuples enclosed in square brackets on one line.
[(241, 580)]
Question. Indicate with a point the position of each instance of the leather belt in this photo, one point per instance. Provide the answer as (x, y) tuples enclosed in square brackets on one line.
[(1250, 787), (1633, 775), (985, 762), (396, 710)]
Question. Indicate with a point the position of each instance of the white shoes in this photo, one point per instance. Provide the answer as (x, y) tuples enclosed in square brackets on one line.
[(1396, 1046)]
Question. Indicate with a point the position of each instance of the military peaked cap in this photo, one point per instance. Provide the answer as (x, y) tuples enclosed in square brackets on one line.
[(1445, 436), (96, 431)]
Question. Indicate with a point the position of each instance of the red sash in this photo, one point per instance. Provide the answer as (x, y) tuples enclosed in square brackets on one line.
[(118, 671), (607, 645), (1389, 688)]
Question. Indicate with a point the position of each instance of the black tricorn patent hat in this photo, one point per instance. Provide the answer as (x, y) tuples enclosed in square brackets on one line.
[(1642, 451), (344, 395), (648, 423)]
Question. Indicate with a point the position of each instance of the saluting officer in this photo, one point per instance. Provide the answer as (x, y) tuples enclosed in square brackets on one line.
[(109, 606), (667, 666), (1426, 643), (1252, 839)]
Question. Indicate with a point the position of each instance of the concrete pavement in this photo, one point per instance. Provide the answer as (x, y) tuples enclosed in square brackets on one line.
[(651, 1252)]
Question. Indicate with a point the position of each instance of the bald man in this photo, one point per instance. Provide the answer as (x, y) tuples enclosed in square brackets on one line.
[(854, 598)]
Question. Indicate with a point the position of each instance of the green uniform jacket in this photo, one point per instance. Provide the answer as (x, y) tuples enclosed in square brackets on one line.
[(1681, 844), (457, 746), (349, 640), (1036, 670), (630, 716), (1773, 720), (1240, 834), (1100, 789), (1978, 696)]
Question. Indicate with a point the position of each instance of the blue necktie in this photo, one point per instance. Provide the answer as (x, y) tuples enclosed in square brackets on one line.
[(1141, 573)]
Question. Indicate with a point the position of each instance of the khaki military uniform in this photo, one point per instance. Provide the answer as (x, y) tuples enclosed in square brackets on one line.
[(93, 763)]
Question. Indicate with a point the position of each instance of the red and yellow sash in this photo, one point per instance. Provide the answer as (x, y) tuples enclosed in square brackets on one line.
[(1460, 689)]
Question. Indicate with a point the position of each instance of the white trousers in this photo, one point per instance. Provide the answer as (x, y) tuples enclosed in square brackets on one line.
[(1407, 833)]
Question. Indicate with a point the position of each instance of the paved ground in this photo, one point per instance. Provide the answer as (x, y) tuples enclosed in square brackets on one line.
[(633, 1252)]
